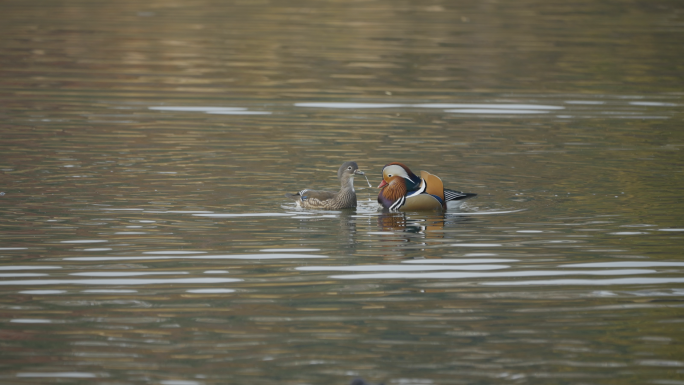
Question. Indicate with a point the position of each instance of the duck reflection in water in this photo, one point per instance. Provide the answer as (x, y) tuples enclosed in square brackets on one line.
[(427, 225), (361, 381), (340, 223)]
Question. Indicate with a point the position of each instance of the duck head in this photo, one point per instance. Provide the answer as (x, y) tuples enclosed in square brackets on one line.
[(396, 169), (346, 174), (349, 169)]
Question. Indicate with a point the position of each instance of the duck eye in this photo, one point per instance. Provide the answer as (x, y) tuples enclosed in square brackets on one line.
[(390, 175), (349, 168)]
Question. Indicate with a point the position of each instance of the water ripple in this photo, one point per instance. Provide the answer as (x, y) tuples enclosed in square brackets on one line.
[(124, 273), (401, 267), (461, 260), (589, 282), (626, 264), (223, 256), (122, 281), (512, 274)]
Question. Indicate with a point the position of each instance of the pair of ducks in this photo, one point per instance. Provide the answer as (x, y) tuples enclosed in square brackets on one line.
[(400, 190)]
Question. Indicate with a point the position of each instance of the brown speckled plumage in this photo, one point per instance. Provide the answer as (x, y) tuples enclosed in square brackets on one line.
[(330, 200)]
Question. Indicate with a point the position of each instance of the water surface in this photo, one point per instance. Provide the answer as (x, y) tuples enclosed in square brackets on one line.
[(147, 148)]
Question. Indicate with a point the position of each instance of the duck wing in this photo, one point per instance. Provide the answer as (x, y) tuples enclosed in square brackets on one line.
[(319, 195), (434, 184), (452, 195)]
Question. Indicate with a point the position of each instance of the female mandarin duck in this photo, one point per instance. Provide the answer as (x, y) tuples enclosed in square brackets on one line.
[(403, 190), (330, 200)]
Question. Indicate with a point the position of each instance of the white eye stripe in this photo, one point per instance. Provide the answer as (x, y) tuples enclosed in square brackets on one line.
[(395, 170)]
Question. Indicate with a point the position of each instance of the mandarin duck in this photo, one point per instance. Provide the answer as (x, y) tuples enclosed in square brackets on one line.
[(330, 200), (403, 190)]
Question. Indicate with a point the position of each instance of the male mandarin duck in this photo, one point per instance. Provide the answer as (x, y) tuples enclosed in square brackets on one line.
[(330, 200), (403, 190)]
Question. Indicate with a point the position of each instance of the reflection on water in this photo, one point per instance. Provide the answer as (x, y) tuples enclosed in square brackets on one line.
[(485, 275), (146, 148), (587, 282), (227, 256), (213, 110), (463, 108), (119, 281)]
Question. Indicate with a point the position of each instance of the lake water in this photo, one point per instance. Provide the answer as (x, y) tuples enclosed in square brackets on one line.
[(147, 147)]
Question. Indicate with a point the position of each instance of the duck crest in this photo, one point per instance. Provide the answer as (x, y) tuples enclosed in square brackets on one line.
[(396, 168)]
